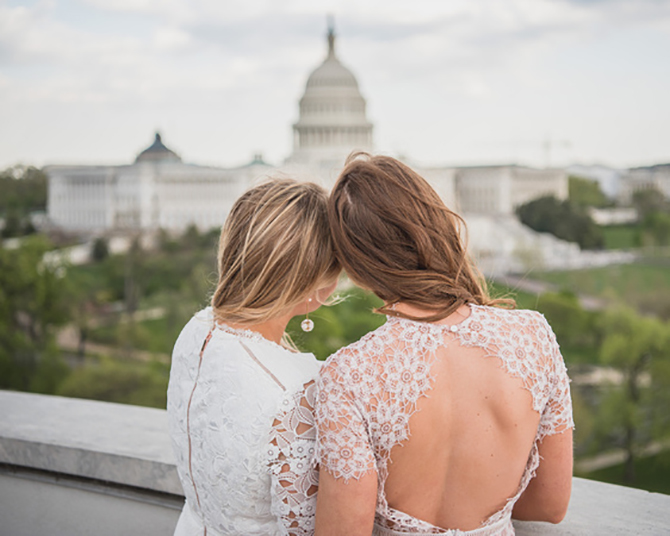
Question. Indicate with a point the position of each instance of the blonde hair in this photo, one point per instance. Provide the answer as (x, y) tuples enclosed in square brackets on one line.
[(395, 237), (275, 249)]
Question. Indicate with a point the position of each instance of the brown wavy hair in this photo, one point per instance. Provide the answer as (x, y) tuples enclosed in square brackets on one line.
[(275, 250), (395, 236)]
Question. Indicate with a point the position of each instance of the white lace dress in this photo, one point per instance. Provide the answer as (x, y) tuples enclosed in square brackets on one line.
[(241, 425), (355, 436)]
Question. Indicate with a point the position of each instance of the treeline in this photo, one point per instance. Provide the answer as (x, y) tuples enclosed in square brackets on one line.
[(38, 298), (23, 190), (627, 409)]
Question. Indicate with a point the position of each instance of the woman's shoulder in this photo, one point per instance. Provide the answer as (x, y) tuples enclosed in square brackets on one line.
[(194, 332), (356, 361), (513, 334), (518, 316), (508, 321)]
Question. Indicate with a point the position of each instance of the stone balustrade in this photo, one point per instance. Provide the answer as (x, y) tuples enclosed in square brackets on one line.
[(78, 467)]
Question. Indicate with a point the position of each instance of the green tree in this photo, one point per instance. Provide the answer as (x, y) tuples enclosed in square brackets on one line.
[(573, 326), (563, 220), (586, 193), (637, 347), (656, 228), (33, 302), (23, 189), (100, 250), (142, 384), (13, 223), (649, 201), (191, 236)]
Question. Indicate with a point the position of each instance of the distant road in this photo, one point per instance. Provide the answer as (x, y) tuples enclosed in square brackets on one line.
[(590, 303), (68, 339), (615, 457)]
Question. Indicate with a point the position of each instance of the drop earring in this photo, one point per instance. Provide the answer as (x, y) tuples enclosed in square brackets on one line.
[(307, 325)]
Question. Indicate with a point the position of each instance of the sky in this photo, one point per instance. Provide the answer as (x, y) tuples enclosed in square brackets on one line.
[(447, 82)]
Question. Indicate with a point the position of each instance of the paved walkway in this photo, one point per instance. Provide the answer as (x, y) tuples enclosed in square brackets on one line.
[(615, 457)]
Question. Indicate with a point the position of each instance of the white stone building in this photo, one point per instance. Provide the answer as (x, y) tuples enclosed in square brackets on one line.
[(157, 191), (654, 178), (160, 191), (499, 190)]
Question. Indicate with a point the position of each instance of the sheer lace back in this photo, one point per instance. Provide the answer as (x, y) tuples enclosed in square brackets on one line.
[(368, 392)]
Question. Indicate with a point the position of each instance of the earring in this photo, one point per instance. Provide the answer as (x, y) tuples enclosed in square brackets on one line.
[(307, 325)]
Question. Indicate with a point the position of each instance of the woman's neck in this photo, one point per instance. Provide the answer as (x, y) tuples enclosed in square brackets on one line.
[(272, 330), (457, 316)]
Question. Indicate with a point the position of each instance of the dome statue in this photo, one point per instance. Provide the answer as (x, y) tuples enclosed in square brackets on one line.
[(332, 120)]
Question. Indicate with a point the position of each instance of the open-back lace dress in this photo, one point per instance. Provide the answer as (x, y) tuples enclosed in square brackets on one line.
[(367, 392), (241, 423)]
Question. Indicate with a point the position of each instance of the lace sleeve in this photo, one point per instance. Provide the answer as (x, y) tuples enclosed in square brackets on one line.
[(292, 464), (343, 445), (557, 413)]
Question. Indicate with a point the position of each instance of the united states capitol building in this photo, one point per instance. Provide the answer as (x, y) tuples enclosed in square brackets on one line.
[(159, 190)]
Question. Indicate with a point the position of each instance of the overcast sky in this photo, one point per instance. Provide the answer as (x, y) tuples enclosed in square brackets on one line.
[(446, 81)]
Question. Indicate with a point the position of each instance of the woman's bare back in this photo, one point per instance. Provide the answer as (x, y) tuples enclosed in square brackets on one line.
[(448, 415), (469, 442)]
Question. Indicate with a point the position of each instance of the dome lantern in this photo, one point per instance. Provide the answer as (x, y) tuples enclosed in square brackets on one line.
[(331, 38)]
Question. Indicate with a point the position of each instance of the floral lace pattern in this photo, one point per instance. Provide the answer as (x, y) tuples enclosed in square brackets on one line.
[(368, 391), (242, 431), (292, 462)]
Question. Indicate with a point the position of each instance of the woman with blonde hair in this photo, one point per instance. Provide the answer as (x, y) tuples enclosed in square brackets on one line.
[(239, 397), (455, 415)]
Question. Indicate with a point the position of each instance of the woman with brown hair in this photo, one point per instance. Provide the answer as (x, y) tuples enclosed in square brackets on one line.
[(455, 415), (240, 395)]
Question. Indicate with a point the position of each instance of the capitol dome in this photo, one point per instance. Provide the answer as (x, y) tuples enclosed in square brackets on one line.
[(331, 73), (333, 119)]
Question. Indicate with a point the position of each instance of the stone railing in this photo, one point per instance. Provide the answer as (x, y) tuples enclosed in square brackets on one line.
[(78, 467)]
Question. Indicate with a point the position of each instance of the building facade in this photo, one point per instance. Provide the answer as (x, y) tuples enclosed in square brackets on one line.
[(157, 191), (641, 179)]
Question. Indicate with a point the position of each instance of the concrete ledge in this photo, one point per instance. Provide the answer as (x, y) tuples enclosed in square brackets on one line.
[(597, 508), (85, 438), (86, 465)]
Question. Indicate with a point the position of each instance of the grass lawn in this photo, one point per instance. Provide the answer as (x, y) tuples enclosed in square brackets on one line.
[(627, 282), (651, 473), (621, 236)]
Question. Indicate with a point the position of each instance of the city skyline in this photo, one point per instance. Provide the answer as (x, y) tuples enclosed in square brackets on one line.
[(89, 81)]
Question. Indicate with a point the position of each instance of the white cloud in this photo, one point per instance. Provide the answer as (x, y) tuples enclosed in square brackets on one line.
[(205, 57), (171, 39), (174, 10)]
